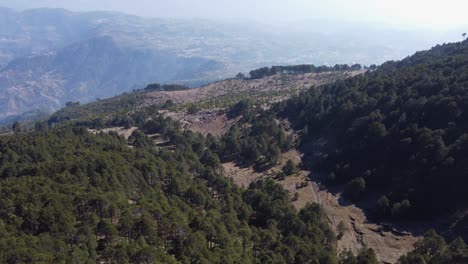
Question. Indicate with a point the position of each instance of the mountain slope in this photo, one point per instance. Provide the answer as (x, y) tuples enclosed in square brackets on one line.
[(387, 135), (212, 97), (67, 196), (396, 136)]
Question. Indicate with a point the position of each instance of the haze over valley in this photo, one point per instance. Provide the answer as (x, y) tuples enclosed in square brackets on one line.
[(51, 56)]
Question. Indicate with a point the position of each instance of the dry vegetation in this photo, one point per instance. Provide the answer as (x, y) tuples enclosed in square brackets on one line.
[(207, 121), (212, 99), (125, 132), (272, 88)]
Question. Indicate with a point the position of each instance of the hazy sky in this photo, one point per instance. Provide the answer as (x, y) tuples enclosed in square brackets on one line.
[(422, 13)]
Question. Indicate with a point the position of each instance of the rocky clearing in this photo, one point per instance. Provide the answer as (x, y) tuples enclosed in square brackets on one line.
[(210, 121), (126, 133)]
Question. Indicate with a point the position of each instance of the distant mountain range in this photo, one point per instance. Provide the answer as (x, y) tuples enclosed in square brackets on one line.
[(85, 71), (51, 56)]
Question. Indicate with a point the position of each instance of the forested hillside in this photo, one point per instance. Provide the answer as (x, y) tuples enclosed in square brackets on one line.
[(400, 132), (220, 95), (68, 196), (396, 136)]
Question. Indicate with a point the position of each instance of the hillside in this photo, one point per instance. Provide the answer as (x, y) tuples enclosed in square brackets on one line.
[(395, 137), (384, 151), (158, 193), (211, 117), (70, 196), (379, 155), (212, 97)]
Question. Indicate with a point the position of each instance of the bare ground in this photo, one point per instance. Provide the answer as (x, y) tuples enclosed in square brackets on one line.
[(388, 241), (211, 121), (266, 86), (126, 133)]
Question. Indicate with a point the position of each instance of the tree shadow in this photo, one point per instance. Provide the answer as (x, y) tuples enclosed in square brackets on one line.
[(399, 228)]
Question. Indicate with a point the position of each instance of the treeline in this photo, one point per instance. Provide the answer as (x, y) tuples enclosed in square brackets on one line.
[(165, 87), (433, 249), (68, 196), (301, 69), (109, 108), (400, 131)]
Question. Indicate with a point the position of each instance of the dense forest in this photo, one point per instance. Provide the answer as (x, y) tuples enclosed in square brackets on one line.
[(257, 139), (69, 196), (400, 132)]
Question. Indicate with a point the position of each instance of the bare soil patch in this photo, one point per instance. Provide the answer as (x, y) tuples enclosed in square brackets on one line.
[(276, 87), (209, 121), (125, 132), (388, 241)]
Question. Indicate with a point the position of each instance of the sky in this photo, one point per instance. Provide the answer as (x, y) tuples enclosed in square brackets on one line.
[(435, 14)]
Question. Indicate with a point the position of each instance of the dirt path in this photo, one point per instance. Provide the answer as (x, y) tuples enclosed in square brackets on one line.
[(389, 242)]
